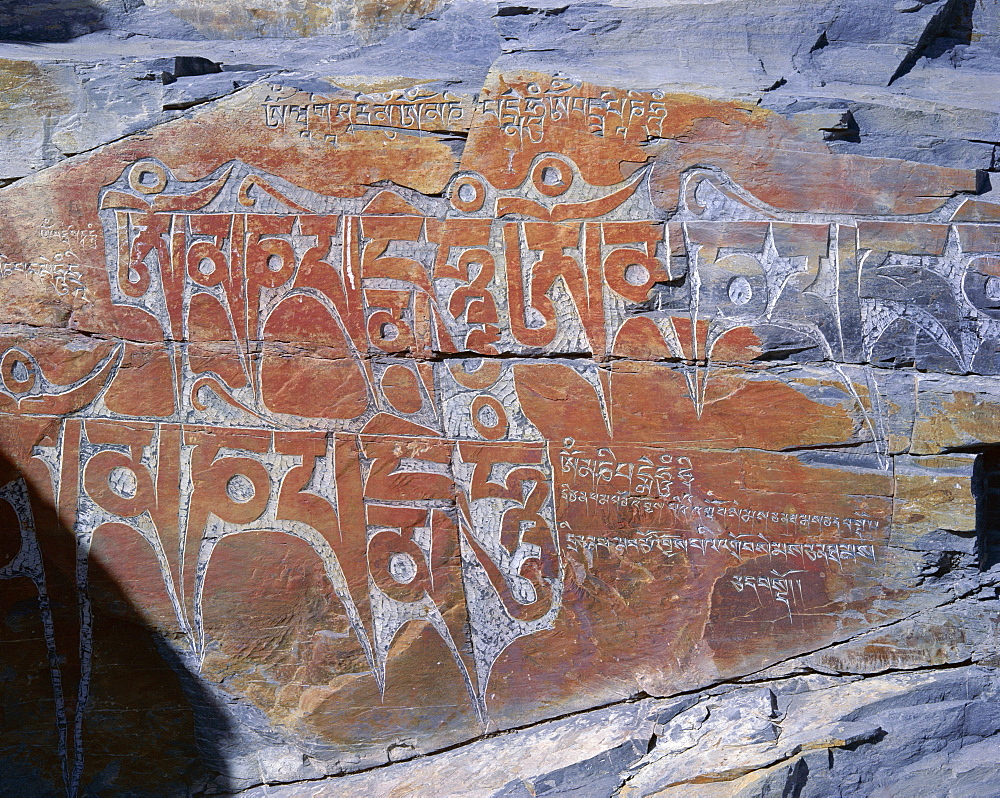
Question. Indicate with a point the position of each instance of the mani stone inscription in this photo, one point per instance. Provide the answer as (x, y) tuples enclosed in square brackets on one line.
[(396, 419)]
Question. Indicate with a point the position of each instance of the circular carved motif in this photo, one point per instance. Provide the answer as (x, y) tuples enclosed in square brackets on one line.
[(148, 177), (240, 489), (552, 176), (402, 568), (468, 194), (982, 284), (488, 417)]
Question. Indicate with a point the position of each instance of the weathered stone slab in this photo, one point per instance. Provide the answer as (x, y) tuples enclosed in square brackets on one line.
[(384, 414)]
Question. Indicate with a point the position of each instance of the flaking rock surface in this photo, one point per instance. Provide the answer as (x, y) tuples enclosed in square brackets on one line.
[(478, 399)]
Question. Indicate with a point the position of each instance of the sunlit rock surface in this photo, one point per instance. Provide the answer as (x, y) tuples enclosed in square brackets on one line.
[(480, 399)]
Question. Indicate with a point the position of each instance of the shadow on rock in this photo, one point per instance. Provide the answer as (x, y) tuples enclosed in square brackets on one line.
[(94, 700), (48, 21)]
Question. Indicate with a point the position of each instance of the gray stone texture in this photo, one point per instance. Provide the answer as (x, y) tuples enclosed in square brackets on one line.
[(911, 79)]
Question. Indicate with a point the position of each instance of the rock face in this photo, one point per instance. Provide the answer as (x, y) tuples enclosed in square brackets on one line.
[(430, 398)]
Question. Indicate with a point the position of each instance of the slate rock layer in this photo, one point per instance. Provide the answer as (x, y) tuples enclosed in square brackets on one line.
[(475, 399)]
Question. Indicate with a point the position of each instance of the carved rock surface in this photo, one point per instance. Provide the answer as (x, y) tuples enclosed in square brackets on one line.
[(465, 398)]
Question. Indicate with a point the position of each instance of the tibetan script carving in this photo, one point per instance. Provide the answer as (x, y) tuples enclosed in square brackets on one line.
[(563, 403)]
